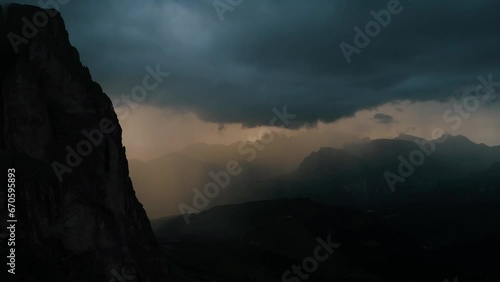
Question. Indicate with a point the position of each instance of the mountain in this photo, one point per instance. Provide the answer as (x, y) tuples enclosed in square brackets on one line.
[(274, 158), (451, 198), (352, 176), (357, 176), (165, 182), (78, 218), (425, 234), (279, 154), (461, 152), (458, 213), (329, 161), (266, 238)]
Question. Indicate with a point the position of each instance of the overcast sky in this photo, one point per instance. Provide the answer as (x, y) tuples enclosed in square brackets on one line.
[(228, 75), (267, 54)]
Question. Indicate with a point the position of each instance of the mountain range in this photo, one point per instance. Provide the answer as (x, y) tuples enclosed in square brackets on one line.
[(442, 221), (355, 175)]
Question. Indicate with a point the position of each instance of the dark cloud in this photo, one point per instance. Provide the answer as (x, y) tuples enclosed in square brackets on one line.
[(267, 54), (383, 118)]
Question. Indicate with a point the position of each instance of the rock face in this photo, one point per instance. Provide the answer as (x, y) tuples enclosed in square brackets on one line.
[(78, 218)]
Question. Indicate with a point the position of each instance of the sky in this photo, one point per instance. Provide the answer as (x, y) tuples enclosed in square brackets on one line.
[(231, 62)]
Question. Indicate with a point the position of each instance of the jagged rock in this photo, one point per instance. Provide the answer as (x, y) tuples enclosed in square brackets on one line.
[(83, 223)]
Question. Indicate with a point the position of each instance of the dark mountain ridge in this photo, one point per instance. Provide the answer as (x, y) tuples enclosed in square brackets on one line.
[(267, 237), (78, 217), (356, 175)]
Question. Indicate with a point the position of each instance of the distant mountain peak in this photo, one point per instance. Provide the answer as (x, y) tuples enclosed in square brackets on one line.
[(447, 136), (329, 150), (408, 137), (458, 138), (328, 158)]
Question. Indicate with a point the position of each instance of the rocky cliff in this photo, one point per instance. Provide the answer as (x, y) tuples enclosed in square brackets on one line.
[(78, 218)]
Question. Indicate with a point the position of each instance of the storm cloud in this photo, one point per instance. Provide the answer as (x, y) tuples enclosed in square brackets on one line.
[(383, 118), (268, 54)]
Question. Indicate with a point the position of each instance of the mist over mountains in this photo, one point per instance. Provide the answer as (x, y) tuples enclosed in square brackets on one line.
[(442, 221), (169, 180), (355, 175)]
